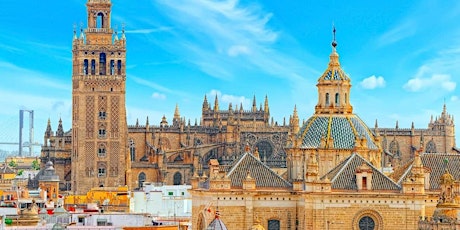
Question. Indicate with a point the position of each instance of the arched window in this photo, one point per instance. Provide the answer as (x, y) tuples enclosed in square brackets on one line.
[(346, 98), (177, 179), (337, 99), (102, 132), (141, 179), (265, 149), (85, 67), (101, 170), (366, 223), (327, 99), (102, 64), (431, 147), (394, 148), (119, 67), (102, 114), (273, 225), (93, 67), (112, 67), (132, 149), (101, 151), (100, 20)]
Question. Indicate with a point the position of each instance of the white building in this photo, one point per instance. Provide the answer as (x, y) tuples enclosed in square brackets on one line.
[(163, 202)]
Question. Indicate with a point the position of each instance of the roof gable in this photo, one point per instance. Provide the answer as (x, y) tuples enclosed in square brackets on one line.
[(343, 176), (264, 176)]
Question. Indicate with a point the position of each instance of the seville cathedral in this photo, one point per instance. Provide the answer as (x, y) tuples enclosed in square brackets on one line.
[(246, 170)]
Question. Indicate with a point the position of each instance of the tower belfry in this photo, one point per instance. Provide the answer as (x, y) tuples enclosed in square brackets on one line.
[(99, 126)]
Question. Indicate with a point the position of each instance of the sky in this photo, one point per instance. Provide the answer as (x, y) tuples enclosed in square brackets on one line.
[(403, 57)]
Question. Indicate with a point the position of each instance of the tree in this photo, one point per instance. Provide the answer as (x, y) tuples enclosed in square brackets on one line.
[(13, 164), (35, 165)]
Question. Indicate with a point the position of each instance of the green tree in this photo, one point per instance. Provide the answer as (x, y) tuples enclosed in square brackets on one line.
[(20, 172), (13, 164), (35, 165)]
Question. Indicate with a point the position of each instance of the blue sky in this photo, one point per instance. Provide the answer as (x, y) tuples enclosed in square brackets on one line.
[(403, 57)]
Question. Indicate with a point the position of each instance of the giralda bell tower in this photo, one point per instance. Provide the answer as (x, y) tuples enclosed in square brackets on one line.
[(99, 126)]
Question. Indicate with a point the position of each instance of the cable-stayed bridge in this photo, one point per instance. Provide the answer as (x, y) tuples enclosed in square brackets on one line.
[(16, 131)]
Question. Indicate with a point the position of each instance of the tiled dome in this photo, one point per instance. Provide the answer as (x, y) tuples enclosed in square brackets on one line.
[(342, 130)]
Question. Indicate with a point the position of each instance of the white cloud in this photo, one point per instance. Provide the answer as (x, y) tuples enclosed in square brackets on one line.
[(227, 27), (400, 32), (237, 50), (435, 81), (226, 99), (159, 96), (373, 82), (156, 86), (149, 31), (454, 98)]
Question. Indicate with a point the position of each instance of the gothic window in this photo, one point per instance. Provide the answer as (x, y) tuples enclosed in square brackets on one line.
[(132, 150), (141, 179), (85, 67), (93, 67), (101, 151), (337, 99), (431, 147), (119, 67), (265, 149), (177, 178), (327, 99), (366, 223), (273, 225), (102, 64), (112, 67), (394, 148), (100, 20)]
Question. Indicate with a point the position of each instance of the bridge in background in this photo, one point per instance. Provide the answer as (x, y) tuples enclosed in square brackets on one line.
[(8, 137)]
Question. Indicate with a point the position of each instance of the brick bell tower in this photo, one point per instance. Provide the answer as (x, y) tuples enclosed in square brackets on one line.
[(99, 126)]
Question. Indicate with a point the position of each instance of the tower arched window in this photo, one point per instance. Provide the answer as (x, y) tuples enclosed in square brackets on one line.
[(85, 67), (327, 99), (102, 64), (101, 170), (100, 20), (337, 99), (119, 67), (102, 131), (346, 98), (101, 151), (112, 67), (93, 67), (132, 149)]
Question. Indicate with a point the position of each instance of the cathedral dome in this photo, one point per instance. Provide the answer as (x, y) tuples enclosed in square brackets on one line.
[(334, 126), (336, 131)]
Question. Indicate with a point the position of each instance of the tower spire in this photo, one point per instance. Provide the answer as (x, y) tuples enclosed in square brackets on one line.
[(216, 104), (334, 42), (334, 86)]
